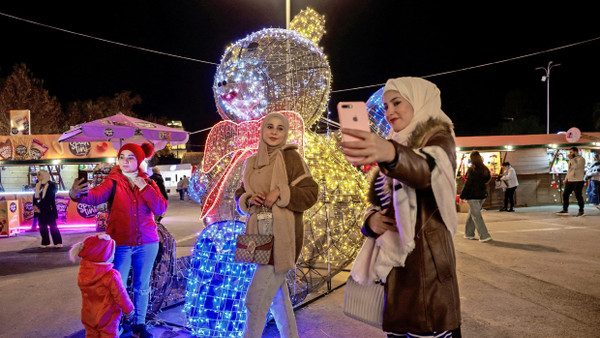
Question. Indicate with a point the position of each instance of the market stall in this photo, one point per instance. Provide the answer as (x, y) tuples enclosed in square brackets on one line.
[(22, 156), (539, 160)]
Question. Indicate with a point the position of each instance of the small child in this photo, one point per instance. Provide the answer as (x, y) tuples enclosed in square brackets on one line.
[(103, 296)]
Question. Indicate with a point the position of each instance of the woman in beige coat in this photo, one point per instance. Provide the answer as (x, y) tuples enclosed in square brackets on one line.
[(275, 179)]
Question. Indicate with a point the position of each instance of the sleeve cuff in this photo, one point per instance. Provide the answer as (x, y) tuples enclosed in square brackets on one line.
[(284, 196), (242, 205)]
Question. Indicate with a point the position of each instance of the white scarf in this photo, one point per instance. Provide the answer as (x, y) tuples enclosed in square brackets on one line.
[(43, 179), (131, 176), (378, 257)]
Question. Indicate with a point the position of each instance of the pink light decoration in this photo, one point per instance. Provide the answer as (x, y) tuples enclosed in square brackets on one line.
[(73, 227), (227, 137), (238, 141)]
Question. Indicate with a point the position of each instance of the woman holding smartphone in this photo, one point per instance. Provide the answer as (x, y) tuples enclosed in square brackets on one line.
[(276, 181), (416, 221), (135, 200)]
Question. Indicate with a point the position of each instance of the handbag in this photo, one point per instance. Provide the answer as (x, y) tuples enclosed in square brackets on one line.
[(256, 249), (364, 302), (265, 222)]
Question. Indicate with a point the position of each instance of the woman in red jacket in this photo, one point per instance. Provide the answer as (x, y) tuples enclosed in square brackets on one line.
[(131, 223)]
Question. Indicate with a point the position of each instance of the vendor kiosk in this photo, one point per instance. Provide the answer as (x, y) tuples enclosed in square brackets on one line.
[(22, 156), (539, 160)]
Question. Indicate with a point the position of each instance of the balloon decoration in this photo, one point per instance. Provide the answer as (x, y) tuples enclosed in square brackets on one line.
[(269, 70)]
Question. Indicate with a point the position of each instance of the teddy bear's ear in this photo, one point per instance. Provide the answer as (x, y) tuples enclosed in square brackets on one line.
[(75, 250)]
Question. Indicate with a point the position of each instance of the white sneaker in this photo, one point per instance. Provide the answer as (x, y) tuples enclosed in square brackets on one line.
[(58, 245), (44, 246), (485, 239)]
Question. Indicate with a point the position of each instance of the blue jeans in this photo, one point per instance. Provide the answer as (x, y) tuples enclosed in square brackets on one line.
[(475, 220), (141, 259)]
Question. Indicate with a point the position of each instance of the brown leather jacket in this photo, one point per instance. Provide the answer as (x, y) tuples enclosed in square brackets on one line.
[(422, 296)]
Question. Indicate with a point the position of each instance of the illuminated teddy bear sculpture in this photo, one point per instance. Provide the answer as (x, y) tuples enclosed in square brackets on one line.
[(269, 70)]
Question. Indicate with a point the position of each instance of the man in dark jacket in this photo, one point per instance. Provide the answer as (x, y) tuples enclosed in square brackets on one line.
[(160, 182)]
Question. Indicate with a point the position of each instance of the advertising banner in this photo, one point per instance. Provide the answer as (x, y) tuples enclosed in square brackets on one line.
[(19, 122), (47, 147)]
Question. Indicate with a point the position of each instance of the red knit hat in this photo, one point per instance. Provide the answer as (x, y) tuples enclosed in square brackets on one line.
[(142, 152), (98, 248)]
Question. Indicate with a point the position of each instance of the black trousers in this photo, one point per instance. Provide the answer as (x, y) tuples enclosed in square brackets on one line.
[(509, 197), (44, 224), (576, 187)]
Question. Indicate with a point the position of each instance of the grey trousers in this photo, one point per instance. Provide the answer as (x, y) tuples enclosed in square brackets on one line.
[(268, 286)]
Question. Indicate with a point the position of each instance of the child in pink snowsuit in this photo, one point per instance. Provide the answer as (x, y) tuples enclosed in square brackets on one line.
[(103, 296)]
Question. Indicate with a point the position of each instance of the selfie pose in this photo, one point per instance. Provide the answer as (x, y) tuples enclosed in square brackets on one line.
[(413, 216), (135, 200), (276, 181)]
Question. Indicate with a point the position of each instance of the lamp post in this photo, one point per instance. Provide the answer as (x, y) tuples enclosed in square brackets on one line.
[(546, 78)]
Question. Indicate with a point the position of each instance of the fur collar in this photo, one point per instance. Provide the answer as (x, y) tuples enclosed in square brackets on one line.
[(425, 130)]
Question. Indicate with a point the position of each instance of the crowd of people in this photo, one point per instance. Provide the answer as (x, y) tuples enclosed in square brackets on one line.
[(411, 217)]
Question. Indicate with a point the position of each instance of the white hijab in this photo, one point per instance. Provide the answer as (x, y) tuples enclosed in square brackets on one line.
[(425, 99)]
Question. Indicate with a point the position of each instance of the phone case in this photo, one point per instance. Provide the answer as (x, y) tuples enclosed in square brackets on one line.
[(353, 115)]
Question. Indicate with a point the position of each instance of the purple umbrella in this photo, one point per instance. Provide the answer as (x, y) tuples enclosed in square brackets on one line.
[(121, 129)]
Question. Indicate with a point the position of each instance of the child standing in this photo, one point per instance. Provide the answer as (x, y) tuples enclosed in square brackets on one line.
[(102, 292)]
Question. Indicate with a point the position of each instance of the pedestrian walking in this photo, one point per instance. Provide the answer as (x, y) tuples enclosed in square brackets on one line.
[(414, 234), (592, 175), (44, 209), (131, 224), (475, 192), (185, 183), (276, 179), (509, 179), (103, 295), (180, 189), (574, 182)]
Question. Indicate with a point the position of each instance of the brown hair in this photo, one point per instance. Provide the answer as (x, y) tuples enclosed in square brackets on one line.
[(477, 163)]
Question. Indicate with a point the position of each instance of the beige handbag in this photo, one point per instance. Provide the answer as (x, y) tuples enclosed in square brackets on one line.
[(364, 302)]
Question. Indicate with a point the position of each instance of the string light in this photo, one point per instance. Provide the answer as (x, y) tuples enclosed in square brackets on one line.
[(310, 24), (269, 70)]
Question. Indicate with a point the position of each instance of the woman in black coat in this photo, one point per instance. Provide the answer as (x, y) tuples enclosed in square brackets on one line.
[(44, 207), (475, 193)]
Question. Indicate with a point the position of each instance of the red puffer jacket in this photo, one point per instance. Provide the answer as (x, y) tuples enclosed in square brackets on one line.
[(131, 217)]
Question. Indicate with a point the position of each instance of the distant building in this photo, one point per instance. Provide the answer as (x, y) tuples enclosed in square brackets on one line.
[(180, 149)]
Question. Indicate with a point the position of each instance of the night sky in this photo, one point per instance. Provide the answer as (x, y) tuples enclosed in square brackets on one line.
[(367, 42)]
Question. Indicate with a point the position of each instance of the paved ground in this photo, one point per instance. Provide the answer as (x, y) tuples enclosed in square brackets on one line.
[(539, 277)]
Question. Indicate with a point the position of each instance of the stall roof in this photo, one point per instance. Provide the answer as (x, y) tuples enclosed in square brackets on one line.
[(504, 142)]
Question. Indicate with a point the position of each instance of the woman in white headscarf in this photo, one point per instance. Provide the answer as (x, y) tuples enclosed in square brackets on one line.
[(44, 208), (413, 215), (275, 179)]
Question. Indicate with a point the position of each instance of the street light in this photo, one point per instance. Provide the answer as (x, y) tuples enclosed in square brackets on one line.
[(546, 78)]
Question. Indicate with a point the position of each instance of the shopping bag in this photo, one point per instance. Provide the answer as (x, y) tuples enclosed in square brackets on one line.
[(364, 302)]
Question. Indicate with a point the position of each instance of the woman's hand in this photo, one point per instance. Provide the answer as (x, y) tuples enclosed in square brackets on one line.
[(140, 182), (78, 188), (372, 147), (36, 209), (258, 199), (380, 223), (272, 198)]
